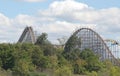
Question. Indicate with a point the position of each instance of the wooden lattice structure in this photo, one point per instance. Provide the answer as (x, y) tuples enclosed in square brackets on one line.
[(89, 39)]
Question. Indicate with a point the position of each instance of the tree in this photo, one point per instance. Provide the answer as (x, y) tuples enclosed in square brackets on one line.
[(72, 43), (63, 71), (36, 55), (93, 62), (23, 67), (42, 39), (49, 50), (6, 57), (109, 69), (79, 66), (23, 62), (44, 63), (62, 61), (71, 50), (72, 55)]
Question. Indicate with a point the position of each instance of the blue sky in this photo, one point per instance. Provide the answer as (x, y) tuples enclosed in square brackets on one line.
[(98, 4), (12, 8), (55, 16)]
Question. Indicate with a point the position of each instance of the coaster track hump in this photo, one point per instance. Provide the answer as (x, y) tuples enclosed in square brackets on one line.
[(27, 36), (89, 39)]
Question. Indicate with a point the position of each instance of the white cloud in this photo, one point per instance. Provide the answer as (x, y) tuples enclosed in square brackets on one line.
[(61, 18), (23, 20), (58, 8), (72, 11), (4, 21)]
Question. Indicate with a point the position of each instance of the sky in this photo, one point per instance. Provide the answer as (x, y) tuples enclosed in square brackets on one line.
[(59, 18)]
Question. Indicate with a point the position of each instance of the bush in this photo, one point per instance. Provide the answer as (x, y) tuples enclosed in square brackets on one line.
[(93, 73), (63, 71), (37, 74)]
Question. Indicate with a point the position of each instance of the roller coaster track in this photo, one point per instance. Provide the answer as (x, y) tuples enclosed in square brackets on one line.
[(86, 39), (27, 36), (89, 39)]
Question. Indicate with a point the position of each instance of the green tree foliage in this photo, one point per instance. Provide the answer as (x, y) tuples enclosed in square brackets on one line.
[(23, 61), (72, 55), (0, 62), (83, 61), (63, 71), (79, 66), (39, 59), (49, 50), (47, 47), (6, 56), (93, 63), (53, 61), (71, 51), (93, 73), (22, 68), (42, 39), (37, 54), (71, 44), (44, 63), (37, 74), (43, 59), (109, 69), (62, 61)]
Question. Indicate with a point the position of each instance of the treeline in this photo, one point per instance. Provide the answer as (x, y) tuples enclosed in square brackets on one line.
[(44, 59)]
